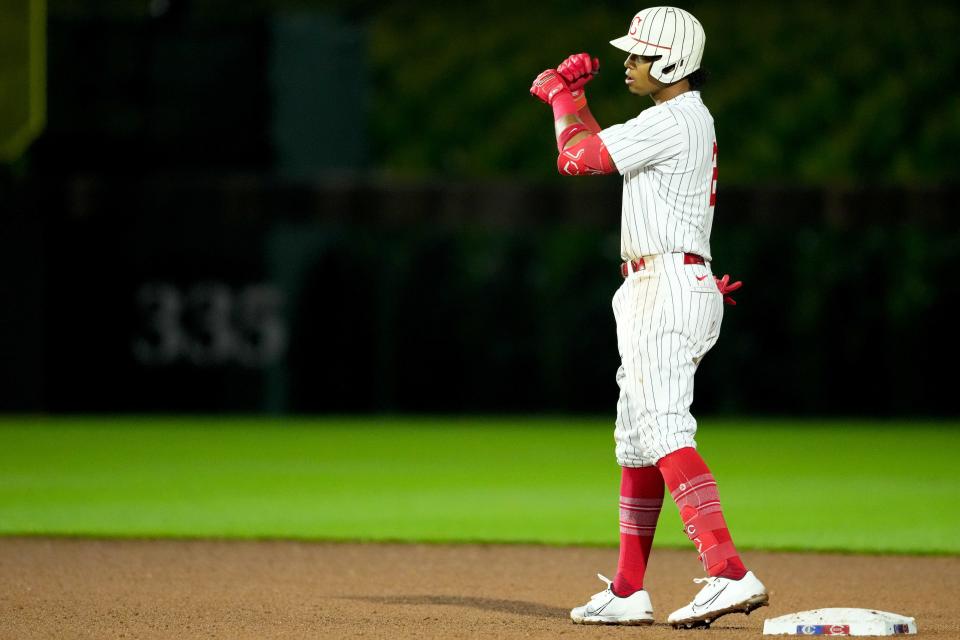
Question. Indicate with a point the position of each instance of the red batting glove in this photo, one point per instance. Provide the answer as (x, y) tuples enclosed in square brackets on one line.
[(578, 69), (547, 86), (726, 288)]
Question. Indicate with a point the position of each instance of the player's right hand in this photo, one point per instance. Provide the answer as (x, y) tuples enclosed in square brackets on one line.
[(578, 69), (547, 85)]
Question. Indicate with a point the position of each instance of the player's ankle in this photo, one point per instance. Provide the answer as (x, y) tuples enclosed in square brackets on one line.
[(731, 569), (623, 589)]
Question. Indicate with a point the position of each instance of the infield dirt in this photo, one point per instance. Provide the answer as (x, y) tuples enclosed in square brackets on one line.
[(76, 588)]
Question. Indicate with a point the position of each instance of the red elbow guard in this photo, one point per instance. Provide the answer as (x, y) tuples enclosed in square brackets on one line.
[(589, 157)]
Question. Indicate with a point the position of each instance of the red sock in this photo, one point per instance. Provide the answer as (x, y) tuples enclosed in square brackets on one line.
[(641, 496), (695, 491)]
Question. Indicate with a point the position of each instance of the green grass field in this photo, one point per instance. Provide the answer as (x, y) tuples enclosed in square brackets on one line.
[(839, 485)]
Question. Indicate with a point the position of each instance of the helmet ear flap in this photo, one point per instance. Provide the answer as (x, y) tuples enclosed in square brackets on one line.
[(672, 72)]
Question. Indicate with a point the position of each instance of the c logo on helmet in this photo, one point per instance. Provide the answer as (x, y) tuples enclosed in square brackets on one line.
[(635, 25)]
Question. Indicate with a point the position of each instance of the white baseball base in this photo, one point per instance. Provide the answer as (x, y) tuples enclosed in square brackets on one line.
[(840, 622)]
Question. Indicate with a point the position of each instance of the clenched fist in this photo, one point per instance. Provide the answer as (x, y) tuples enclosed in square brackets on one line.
[(578, 69), (548, 85)]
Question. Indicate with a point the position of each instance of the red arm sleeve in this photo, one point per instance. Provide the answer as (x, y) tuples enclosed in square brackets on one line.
[(587, 118), (589, 157)]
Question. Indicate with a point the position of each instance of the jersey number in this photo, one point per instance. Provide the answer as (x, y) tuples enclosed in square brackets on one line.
[(713, 182)]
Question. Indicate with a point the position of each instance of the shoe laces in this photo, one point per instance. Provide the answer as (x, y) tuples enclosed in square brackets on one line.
[(609, 588), (710, 582)]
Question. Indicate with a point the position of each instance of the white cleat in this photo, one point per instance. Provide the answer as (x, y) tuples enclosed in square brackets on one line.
[(608, 608), (720, 597)]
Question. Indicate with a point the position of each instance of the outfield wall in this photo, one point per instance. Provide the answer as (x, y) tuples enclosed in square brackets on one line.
[(247, 294), (289, 206)]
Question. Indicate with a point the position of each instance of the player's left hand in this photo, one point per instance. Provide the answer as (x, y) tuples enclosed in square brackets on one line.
[(578, 69), (726, 288), (547, 85)]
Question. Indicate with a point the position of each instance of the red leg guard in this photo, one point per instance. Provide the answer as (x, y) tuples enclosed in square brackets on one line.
[(695, 491), (641, 496)]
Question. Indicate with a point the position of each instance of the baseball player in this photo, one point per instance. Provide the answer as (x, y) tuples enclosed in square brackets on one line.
[(668, 309)]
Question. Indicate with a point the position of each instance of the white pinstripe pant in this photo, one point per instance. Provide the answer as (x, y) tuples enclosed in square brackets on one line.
[(668, 316)]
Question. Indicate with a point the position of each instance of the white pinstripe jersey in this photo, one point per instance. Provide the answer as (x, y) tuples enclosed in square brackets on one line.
[(667, 156)]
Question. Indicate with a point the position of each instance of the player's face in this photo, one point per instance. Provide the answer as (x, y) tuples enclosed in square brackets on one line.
[(638, 78)]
